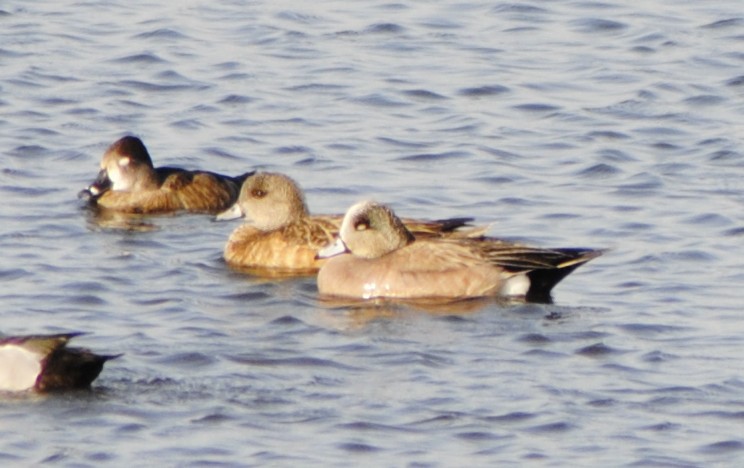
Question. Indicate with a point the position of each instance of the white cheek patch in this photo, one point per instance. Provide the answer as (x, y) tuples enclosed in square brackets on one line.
[(19, 368), (124, 162), (117, 181)]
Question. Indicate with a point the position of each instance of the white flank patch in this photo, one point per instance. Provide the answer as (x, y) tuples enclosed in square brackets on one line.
[(370, 290), (18, 368), (517, 285)]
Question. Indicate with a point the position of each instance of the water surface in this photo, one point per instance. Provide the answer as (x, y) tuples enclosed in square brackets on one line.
[(565, 123)]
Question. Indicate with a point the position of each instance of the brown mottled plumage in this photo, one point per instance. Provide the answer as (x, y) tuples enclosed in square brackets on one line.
[(290, 247), (382, 259), (281, 234), (129, 183)]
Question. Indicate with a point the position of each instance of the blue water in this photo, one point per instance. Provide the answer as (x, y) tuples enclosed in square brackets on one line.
[(563, 123)]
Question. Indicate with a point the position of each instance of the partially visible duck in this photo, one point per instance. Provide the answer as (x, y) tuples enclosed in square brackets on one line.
[(375, 256), (281, 234), (44, 363), (129, 183)]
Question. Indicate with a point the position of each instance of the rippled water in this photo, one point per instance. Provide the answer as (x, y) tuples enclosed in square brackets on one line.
[(565, 123)]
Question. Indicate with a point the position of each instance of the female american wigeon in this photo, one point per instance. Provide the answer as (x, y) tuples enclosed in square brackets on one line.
[(45, 363), (377, 257), (281, 234), (128, 182)]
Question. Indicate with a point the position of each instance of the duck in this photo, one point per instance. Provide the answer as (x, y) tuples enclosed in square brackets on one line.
[(129, 183), (44, 363), (376, 256), (280, 234)]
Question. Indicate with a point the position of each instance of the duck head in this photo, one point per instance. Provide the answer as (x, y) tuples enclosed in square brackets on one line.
[(126, 166)]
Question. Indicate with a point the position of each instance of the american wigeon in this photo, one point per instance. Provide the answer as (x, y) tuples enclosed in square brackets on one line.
[(45, 363), (279, 232), (375, 256), (128, 182)]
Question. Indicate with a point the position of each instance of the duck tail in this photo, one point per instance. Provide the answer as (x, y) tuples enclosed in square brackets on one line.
[(543, 280), (453, 224), (242, 177), (71, 368)]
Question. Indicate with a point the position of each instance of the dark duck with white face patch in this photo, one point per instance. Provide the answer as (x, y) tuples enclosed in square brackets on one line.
[(129, 183)]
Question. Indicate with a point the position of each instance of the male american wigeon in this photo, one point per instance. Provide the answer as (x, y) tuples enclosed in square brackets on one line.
[(279, 232), (375, 256), (128, 182), (45, 363)]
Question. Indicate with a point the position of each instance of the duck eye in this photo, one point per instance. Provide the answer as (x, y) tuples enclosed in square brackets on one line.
[(258, 193), (362, 225)]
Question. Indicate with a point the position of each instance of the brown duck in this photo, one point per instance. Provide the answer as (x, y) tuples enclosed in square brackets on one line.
[(129, 183), (376, 256), (281, 234)]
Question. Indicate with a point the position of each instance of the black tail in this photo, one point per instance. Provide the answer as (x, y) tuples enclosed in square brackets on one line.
[(241, 178), (71, 368), (453, 224), (542, 280)]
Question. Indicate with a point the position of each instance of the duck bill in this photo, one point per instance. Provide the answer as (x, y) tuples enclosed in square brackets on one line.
[(101, 185), (234, 212), (331, 250)]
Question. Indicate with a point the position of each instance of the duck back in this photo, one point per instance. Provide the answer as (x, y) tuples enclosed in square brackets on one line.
[(179, 190)]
